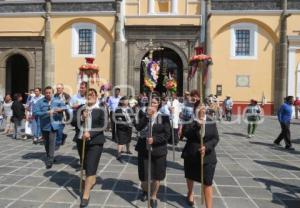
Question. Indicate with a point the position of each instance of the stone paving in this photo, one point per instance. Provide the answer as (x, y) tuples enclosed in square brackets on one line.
[(251, 173)]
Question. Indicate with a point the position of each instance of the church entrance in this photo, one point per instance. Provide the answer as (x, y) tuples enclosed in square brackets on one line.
[(170, 65), (17, 72)]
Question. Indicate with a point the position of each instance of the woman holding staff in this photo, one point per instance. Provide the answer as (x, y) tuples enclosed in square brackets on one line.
[(160, 133), (93, 118), (196, 156)]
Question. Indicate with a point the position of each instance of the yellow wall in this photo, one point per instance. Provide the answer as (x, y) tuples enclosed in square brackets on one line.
[(260, 70), (187, 13), (293, 24), (66, 66), (21, 26), (297, 64)]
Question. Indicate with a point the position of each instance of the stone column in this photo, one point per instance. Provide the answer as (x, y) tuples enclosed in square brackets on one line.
[(2, 81), (120, 69), (151, 7), (48, 75), (281, 72), (174, 5)]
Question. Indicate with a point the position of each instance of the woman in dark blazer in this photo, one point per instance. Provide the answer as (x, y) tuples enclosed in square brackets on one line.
[(124, 122), (192, 153), (161, 131), (94, 119)]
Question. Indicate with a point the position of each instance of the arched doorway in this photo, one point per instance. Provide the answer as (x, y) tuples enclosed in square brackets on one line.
[(17, 74), (170, 63)]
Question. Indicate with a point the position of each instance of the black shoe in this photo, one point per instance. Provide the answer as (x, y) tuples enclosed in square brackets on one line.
[(129, 153), (84, 202), (49, 164), (144, 196), (277, 144), (290, 148), (119, 158), (190, 203), (153, 203)]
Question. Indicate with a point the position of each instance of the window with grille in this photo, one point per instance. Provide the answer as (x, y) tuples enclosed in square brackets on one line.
[(85, 41), (244, 42), (242, 46)]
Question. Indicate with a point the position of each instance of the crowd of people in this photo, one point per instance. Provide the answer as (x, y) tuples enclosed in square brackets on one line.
[(158, 120)]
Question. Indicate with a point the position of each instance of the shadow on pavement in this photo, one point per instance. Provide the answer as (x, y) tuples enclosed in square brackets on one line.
[(121, 188), (235, 134), (277, 165), (281, 192), (281, 149)]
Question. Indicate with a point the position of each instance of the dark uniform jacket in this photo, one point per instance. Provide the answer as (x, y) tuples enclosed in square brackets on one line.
[(211, 139), (97, 127), (161, 132)]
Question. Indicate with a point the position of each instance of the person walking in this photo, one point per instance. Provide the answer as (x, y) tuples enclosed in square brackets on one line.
[(175, 109), (76, 102), (49, 109), (35, 120), (113, 102), (284, 117), (64, 97), (7, 113), (94, 118), (228, 105), (18, 115), (192, 153), (253, 116), (124, 122), (297, 107), (161, 132)]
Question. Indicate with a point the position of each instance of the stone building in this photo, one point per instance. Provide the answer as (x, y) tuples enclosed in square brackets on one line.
[(245, 40), (43, 42)]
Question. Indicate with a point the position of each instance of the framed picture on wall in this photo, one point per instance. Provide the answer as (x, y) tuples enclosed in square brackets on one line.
[(242, 80)]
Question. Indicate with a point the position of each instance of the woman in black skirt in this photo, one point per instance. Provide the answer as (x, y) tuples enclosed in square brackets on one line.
[(161, 131), (124, 123), (94, 119), (192, 153)]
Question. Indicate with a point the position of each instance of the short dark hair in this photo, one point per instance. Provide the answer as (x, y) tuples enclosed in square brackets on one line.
[(38, 88), (84, 83), (289, 98), (94, 91), (48, 88), (117, 89), (17, 96), (195, 93)]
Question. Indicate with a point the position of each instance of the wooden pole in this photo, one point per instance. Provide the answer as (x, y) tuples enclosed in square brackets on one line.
[(84, 142)]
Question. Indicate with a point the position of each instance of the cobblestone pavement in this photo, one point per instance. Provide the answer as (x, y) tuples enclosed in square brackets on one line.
[(251, 173)]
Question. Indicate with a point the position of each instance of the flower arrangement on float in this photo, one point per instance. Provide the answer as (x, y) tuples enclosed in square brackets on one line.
[(89, 71), (151, 72), (170, 84), (201, 62)]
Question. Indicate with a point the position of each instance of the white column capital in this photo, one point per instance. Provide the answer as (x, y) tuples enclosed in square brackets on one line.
[(174, 7), (151, 6)]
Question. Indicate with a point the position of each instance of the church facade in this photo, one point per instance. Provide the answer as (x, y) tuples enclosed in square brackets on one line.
[(43, 42)]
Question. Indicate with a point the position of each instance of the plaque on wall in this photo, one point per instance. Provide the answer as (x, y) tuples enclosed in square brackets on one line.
[(242, 80), (219, 90)]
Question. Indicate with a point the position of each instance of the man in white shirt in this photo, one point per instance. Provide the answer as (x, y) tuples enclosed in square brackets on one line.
[(113, 103), (175, 108)]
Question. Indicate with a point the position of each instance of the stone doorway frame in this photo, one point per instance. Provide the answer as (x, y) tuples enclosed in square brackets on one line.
[(137, 51), (3, 60)]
